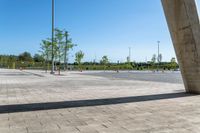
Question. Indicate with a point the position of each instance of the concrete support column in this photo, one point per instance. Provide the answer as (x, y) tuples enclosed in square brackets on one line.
[(183, 22)]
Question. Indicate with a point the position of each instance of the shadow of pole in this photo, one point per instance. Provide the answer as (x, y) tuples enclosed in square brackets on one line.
[(87, 103)]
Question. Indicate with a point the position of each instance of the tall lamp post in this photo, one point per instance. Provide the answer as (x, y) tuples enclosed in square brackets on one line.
[(129, 54), (158, 54), (66, 49), (52, 41)]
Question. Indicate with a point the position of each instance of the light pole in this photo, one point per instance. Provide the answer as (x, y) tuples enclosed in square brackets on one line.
[(129, 56), (66, 48), (52, 41), (158, 54)]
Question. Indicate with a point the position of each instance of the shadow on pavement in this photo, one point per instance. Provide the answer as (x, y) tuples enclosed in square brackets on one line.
[(87, 103)]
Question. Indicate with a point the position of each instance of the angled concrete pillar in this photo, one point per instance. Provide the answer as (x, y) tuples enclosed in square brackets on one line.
[(183, 23)]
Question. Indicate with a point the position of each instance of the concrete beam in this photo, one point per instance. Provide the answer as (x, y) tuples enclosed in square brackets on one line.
[(183, 22)]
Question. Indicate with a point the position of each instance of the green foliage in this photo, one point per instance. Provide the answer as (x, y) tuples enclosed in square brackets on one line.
[(173, 60), (79, 56), (173, 63), (11, 61), (160, 58), (38, 58), (61, 45), (104, 60), (45, 49), (25, 56), (6, 61), (153, 59), (59, 39), (129, 66)]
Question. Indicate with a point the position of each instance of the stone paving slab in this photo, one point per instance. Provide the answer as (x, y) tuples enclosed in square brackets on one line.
[(122, 106)]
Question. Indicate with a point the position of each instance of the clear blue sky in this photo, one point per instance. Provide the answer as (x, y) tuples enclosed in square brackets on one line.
[(101, 27)]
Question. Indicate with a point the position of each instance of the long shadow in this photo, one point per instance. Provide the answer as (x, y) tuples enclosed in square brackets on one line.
[(86, 103)]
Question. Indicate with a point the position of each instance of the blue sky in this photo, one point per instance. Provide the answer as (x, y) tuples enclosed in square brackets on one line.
[(99, 27)]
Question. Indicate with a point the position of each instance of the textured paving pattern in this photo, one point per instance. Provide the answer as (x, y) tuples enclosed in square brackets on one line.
[(35, 102)]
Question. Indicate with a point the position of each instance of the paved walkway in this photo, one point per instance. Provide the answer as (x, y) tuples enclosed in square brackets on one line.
[(35, 102), (167, 76)]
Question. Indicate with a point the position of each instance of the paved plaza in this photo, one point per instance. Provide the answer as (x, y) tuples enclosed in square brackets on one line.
[(96, 102)]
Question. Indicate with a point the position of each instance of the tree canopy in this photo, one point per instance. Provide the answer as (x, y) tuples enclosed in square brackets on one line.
[(25, 56)]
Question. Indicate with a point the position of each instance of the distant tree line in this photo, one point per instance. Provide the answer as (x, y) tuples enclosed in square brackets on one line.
[(104, 64), (38, 61), (22, 60)]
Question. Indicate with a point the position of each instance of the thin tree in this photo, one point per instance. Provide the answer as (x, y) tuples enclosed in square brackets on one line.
[(153, 60), (173, 63), (160, 58), (104, 61), (78, 57), (46, 52), (68, 45), (128, 63), (59, 35)]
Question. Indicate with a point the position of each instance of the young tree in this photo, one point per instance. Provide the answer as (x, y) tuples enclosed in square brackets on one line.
[(61, 46), (173, 63), (153, 60), (128, 59), (46, 51), (173, 60), (159, 58), (104, 61), (128, 64), (67, 46), (64, 44), (59, 36), (78, 57)]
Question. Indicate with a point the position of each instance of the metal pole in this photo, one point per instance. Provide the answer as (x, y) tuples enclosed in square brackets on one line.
[(129, 54), (52, 48), (65, 58), (95, 59), (158, 54)]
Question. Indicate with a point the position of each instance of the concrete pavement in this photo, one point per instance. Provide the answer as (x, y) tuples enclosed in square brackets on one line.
[(35, 102)]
